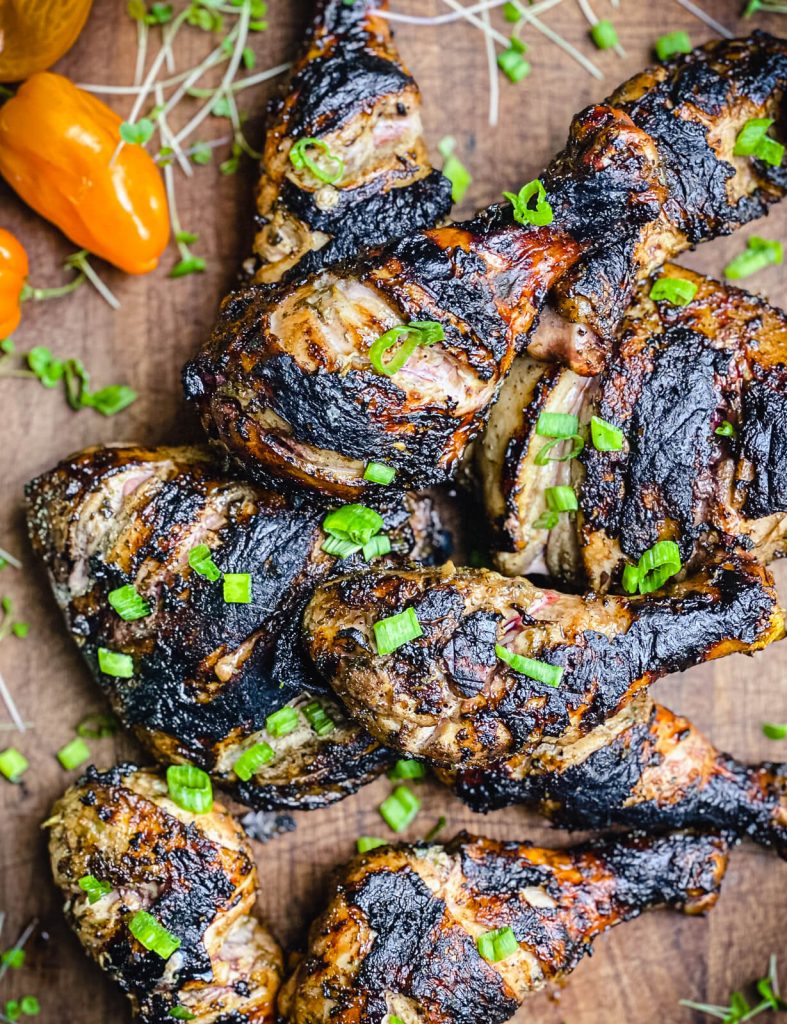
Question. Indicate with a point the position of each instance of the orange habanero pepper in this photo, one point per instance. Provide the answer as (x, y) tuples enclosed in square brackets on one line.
[(13, 273), (58, 150)]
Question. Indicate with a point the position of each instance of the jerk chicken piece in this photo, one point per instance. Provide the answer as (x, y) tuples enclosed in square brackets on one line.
[(201, 676), (400, 935), (286, 383), (193, 873), (678, 373), (349, 91), (448, 697), (645, 768)]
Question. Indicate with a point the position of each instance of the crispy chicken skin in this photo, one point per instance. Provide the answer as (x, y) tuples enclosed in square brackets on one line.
[(206, 673), (398, 937), (448, 698), (676, 373), (646, 768), (285, 383), (350, 90), (194, 873)]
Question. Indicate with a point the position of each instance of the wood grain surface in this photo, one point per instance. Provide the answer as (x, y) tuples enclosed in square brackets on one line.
[(642, 969)]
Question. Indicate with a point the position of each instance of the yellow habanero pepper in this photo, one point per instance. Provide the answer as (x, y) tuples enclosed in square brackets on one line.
[(13, 274), (59, 151), (36, 33)]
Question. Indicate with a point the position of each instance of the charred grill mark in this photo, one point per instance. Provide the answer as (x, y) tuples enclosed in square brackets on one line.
[(763, 445)]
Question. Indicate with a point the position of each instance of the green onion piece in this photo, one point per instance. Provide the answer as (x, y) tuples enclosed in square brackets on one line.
[(541, 671), (435, 830), (97, 726), (725, 429), (513, 64), (759, 253), (282, 722), (454, 169), (770, 152), (20, 629), (29, 1006), (377, 546), (128, 603), (393, 1019), (201, 562), (13, 958), (497, 945), (13, 765), (657, 565), (604, 34), (180, 1013), (556, 424), (190, 788), (541, 214), (408, 769), (333, 166), (397, 630), (237, 587), (73, 754), (543, 456), (152, 935), (251, 760), (561, 499), (95, 889), (753, 140), (673, 42), (318, 718), (546, 521), (113, 663), (415, 333), (630, 579), (605, 436), (366, 843), (676, 290), (400, 809), (355, 523), (774, 731), (339, 548), (511, 13), (13, 1011), (379, 473)]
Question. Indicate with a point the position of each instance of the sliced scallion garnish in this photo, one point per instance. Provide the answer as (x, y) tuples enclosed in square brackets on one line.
[(546, 521), (128, 603), (251, 760), (393, 632), (672, 43), (190, 788), (541, 671), (543, 455), (366, 843), (774, 731), (354, 523), (237, 587), (654, 568), (13, 764), (318, 718), (758, 254), (414, 333), (557, 424), (399, 810), (605, 436), (95, 889), (539, 214), (329, 170), (408, 769), (282, 722), (181, 1013), (114, 663), (604, 34), (377, 546), (73, 754), (339, 548), (379, 473), (153, 935), (561, 499), (497, 945), (201, 561), (753, 140), (676, 290), (725, 429)]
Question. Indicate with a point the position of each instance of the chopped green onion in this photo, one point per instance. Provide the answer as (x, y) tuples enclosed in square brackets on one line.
[(73, 754), (190, 788), (379, 473), (180, 1013), (630, 579), (366, 843), (318, 718), (397, 630), (753, 140), (435, 830), (251, 760), (282, 722), (237, 587), (152, 935), (657, 565), (605, 436), (758, 254), (355, 523), (546, 521), (299, 159), (377, 546), (561, 499), (497, 945), (13, 958), (128, 603), (339, 548), (543, 456), (676, 290), (29, 1006), (20, 629), (408, 769), (97, 726), (541, 671), (512, 62), (556, 424), (415, 333), (775, 732), (454, 169), (13, 765), (541, 214), (393, 1019), (604, 34), (201, 562), (725, 429), (113, 663), (95, 889), (672, 43), (400, 809)]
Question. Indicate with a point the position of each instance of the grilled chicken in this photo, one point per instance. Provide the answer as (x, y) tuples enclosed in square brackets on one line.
[(677, 373), (194, 873), (206, 674), (399, 935), (286, 384), (448, 698), (644, 768), (350, 91)]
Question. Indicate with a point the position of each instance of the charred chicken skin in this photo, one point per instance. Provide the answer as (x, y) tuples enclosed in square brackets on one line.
[(448, 697), (349, 91), (399, 937), (678, 372), (193, 873), (286, 383), (646, 768), (204, 675)]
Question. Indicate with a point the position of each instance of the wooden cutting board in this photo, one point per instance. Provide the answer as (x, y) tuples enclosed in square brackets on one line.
[(642, 969)]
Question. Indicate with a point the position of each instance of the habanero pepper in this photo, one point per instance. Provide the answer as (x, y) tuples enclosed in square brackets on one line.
[(13, 274), (60, 150)]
